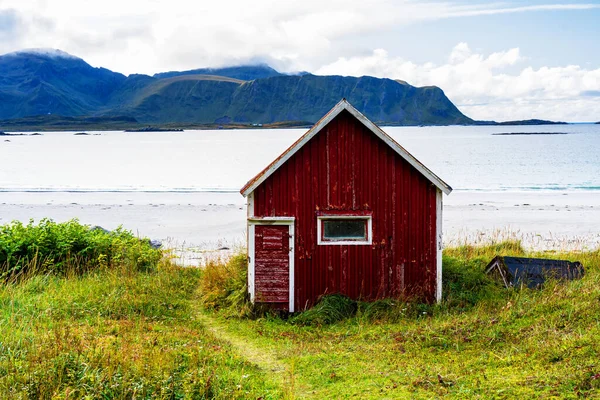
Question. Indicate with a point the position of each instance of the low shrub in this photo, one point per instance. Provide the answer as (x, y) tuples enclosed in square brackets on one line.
[(69, 247), (329, 309)]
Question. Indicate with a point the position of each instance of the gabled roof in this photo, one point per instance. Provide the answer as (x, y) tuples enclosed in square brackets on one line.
[(335, 111)]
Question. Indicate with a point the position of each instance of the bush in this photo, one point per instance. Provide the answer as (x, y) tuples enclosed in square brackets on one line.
[(69, 247), (330, 309)]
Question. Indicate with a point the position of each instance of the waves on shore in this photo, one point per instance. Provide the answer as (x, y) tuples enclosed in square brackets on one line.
[(543, 188), (165, 190), (116, 190)]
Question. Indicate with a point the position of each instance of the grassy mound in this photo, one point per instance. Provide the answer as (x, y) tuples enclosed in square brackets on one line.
[(131, 331), (69, 248)]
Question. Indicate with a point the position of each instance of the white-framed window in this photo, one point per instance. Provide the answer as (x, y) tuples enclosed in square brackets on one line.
[(344, 229)]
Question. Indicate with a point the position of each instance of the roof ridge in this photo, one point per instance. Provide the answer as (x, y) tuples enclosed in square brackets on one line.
[(330, 115)]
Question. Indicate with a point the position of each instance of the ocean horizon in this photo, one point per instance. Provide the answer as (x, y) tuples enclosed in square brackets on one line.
[(468, 158)]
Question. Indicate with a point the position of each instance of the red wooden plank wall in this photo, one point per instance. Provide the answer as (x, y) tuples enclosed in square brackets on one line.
[(347, 167)]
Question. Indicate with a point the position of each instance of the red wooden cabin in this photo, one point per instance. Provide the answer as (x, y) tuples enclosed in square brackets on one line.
[(345, 210)]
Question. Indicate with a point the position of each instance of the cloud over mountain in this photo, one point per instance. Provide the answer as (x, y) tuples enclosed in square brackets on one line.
[(151, 36), (482, 87)]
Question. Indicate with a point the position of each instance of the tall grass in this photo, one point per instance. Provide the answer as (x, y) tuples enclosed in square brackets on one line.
[(465, 286), (113, 335), (223, 286), (86, 314), (128, 329)]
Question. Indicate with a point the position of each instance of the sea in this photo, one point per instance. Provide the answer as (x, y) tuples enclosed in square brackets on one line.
[(468, 158), (183, 187)]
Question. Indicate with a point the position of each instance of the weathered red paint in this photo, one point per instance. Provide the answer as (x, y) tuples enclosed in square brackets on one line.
[(345, 168), (272, 250)]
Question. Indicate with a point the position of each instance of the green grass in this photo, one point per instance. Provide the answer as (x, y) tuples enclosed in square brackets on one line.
[(482, 341), (117, 334), (90, 314), (166, 332)]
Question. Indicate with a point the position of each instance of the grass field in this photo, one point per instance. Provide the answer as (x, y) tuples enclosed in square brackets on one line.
[(481, 342), (117, 335), (167, 332)]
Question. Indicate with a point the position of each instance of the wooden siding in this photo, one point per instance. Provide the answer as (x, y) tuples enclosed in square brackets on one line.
[(345, 167), (272, 264)]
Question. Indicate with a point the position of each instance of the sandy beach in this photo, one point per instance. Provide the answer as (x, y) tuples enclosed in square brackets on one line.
[(199, 224), (542, 220)]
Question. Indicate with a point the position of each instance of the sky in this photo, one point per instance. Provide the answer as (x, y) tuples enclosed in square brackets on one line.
[(505, 60)]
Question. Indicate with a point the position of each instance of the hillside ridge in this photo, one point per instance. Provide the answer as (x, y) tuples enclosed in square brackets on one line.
[(52, 82)]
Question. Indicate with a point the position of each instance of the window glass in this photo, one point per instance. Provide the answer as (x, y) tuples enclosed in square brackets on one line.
[(345, 229)]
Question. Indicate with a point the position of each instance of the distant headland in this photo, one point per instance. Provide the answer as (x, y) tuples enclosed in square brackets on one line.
[(154, 129)]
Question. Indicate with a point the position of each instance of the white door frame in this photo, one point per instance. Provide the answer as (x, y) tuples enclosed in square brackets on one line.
[(252, 222), (438, 243)]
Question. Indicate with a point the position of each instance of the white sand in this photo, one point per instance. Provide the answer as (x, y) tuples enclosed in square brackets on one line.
[(543, 220), (205, 222)]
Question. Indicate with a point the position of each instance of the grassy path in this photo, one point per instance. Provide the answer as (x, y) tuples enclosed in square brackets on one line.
[(266, 359), (263, 358)]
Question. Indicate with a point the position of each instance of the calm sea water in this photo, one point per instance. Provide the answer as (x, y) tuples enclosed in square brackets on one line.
[(467, 158)]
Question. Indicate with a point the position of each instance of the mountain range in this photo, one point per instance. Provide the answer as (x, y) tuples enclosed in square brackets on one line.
[(51, 82)]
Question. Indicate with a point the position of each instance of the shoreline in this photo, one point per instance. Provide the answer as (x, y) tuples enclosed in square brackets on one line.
[(26, 125), (561, 220), (196, 225)]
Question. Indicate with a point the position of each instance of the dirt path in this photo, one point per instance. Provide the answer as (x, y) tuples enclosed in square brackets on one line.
[(265, 359)]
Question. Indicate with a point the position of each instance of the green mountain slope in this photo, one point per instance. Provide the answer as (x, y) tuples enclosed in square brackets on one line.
[(43, 82), (53, 82), (195, 99), (244, 72), (309, 97), (189, 99)]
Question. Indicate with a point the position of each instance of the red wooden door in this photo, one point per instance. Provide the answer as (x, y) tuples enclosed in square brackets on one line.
[(272, 264)]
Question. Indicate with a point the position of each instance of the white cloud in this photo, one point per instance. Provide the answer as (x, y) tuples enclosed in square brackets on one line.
[(149, 36), (470, 12), (481, 88)]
